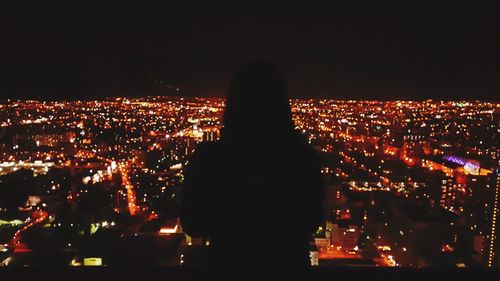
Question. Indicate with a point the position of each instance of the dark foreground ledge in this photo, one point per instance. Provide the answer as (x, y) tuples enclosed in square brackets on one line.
[(186, 273)]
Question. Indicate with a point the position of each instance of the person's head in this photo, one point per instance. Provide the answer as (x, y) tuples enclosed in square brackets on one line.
[(257, 102)]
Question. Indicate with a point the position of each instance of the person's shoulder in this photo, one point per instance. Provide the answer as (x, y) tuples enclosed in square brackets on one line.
[(304, 147), (204, 156), (205, 146), (204, 149)]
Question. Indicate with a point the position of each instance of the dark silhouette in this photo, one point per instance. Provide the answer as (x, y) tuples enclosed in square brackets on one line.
[(257, 193)]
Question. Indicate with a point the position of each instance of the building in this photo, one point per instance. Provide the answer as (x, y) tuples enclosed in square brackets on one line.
[(418, 233), (491, 245), (53, 140), (210, 135), (481, 213)]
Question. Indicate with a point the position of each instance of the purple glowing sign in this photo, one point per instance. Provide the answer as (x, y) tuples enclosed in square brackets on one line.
[(470, 166)]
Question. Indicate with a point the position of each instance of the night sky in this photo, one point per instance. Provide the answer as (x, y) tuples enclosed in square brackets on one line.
[(336, 50)]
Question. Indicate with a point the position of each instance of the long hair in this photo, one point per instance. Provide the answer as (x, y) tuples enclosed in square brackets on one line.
[(257, 103)]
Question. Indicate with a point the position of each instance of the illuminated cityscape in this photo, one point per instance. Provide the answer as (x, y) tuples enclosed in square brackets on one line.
[(408, 183)]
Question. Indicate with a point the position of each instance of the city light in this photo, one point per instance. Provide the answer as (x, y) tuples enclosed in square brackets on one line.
[(392, 168)]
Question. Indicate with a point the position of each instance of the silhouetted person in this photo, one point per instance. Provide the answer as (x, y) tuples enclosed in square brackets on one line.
[(257, 193)]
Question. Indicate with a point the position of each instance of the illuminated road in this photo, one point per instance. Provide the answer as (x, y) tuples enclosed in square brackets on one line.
[(388, 260), (352, 161), (124, 168), (335, 253), (16, 240)]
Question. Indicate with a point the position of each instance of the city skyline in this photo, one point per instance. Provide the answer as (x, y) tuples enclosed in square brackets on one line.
[(100, 180)]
